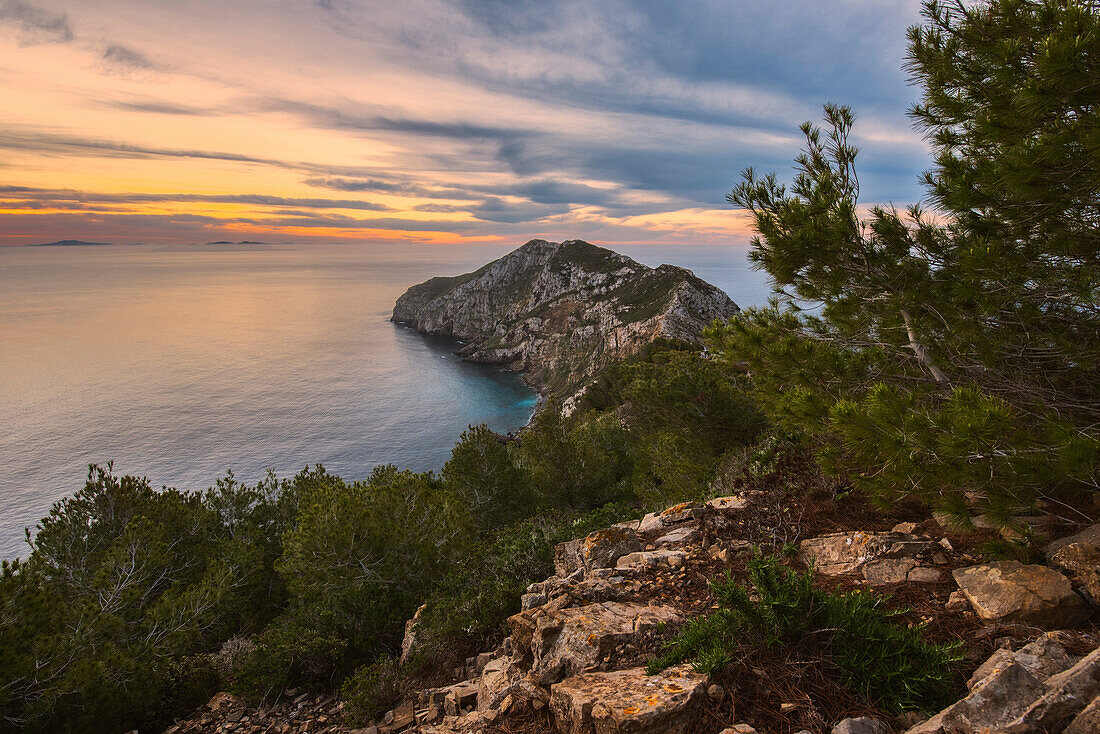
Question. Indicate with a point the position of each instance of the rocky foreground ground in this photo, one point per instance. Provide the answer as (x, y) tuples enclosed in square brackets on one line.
[(574, 659)]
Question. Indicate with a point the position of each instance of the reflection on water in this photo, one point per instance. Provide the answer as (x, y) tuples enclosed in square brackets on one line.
[(180, 364)]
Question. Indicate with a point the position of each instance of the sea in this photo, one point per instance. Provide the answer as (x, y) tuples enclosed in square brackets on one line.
[(181, 363)]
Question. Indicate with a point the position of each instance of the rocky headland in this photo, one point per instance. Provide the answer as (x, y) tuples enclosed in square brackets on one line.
[(562, 312)]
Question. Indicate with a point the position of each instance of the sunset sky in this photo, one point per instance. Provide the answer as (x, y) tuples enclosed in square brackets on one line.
[(615, 121)]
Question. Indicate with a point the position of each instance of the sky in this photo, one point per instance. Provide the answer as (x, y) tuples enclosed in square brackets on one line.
[(439, 121)]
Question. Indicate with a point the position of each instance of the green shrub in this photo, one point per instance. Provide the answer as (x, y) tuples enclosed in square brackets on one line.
[(371, 691), (885, 663), (291, 653)]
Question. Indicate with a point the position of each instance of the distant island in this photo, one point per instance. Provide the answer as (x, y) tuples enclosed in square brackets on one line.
[(70, 243), (561, 313), (242, 242)]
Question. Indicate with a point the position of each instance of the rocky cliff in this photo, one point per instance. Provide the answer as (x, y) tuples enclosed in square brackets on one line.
[(561, 312)]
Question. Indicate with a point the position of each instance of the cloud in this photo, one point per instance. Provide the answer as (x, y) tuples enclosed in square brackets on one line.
[(35, 25), (58, 144), (123, 58), (82, 197)]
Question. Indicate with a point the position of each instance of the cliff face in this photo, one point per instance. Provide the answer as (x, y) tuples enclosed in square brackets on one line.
[(561, 312)]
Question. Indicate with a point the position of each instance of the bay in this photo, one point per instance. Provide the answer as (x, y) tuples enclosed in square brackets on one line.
[(180, 363)]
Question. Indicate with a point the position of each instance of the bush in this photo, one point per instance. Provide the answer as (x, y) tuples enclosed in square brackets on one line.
[(887, 664), (292, 653), (371, 691)]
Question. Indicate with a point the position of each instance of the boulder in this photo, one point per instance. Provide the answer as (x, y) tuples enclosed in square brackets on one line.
[(1088, 536), (495, 683), (1012, 592), (629, 701), (862, 725), (1042, 658), (568, 641), (1081, 562), (603, 548), (846, 552), (1086, 722)]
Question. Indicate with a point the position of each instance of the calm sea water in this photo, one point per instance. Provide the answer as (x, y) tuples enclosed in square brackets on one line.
[(182, 363)]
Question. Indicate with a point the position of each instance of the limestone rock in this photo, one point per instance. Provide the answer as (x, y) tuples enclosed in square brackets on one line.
[(1088, 536), (838, 553), (1009, 591), (668, 518), (652, 559), (562, 312), (679, 536), (629, 701), (1086, 722), (603, 548), (731, 503), (862, 725), (888, 571), (569, 641), (1081, 562), (1042, 658), (567, 557), (999, 699), (409, 641), (1067, 693)]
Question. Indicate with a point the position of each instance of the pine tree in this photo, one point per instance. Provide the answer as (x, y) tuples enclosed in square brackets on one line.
[(951, 357)]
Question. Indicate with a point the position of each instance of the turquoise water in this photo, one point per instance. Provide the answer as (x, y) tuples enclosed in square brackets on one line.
[(182, 363)]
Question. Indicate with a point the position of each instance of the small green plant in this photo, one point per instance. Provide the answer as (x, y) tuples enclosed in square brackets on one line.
[(887, 664), (371, 691)]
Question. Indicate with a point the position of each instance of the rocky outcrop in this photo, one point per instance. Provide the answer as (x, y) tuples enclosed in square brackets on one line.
[(574, 658), (562, 312)]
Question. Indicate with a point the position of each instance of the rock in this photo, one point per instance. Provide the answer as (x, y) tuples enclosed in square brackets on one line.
[(862, 725), (652, 559), (1011, 592), (903, 527), (846, 552), (716, 693), (899, 570), (999, 699), (603, 548), (735, 502), (1086, 722), (1067, 693), (567, 557), (569, 641), (398, 719), (685, 534), (1042, 658), (1081, 562), (629, 701), (675, 515), (410, 641), (562, 312), (957, 602), (933, 725), (495, 683), (530, 601), (740, 729), (1088, 536)]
